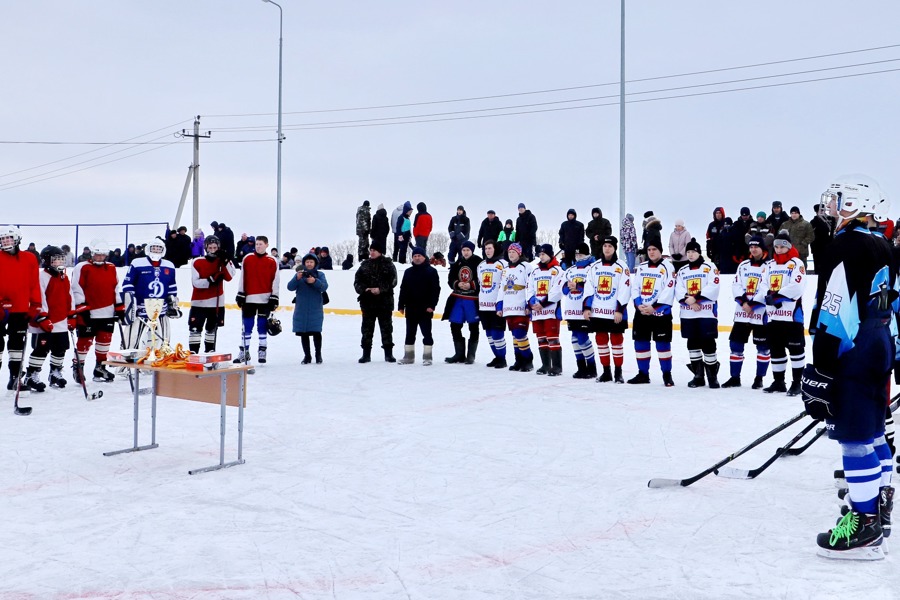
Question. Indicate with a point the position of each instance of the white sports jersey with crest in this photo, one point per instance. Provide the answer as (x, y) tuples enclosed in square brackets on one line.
[(788, 282), (752, 282), (702, 282), (572, 301), (544, 288), (612, 288), (654, 285), (513, 295), (490, 281)]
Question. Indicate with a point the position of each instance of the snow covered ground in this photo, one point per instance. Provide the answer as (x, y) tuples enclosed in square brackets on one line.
[(446, 482)]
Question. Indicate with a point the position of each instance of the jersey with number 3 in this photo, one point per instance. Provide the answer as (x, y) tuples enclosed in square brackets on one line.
[(787, 282)]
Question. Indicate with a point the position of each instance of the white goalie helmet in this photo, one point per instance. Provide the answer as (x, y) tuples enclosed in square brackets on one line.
[(155, 249), (10, 236), (99, 248), (857, 196)]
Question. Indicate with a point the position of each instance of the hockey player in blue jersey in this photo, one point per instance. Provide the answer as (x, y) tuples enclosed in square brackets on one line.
[(149, 276), (852, 353)]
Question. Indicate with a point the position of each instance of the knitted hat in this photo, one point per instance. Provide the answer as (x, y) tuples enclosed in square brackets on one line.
[(469, 244), (679, 222), (761, 213), (547, 249), (653, 241), (582, 248), (377, 245), (692, 245), (610, 240), (515, 247), (491, 212), (795, 209), (745, 211), (776, 204), (783, 236), (418, 250), (521, 205), (756, 240)]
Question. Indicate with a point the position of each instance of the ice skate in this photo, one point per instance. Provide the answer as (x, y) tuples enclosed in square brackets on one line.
[(857, 536)]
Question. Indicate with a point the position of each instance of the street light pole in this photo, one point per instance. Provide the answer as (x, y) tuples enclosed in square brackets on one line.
[(280, 136)]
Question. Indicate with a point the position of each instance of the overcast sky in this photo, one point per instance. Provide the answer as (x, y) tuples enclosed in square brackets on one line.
[(103, 71)]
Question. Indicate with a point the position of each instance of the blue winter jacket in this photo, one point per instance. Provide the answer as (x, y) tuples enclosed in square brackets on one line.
[(308, 307)]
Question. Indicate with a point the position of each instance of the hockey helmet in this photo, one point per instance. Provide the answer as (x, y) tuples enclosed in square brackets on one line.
[(855, 196), (212, 239), (10, 236), (273, 325), (99, 248), (155, 249), (53, 259)]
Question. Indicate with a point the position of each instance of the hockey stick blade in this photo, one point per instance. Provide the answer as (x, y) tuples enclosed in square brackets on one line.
[(22, 411), (659, 483)]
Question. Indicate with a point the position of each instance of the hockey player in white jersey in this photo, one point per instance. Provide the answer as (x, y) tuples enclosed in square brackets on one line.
[(512, 305), (697, 292), (784, 305), (544, 292), (653, 292), (490, 280), (577, 295), (751, 284), (611, 282)]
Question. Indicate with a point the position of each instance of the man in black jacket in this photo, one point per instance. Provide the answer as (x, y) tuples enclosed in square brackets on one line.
[(375, 281), (226, 238), (823, 233), (777, 218), (526, 232), (459, 230), (571, 234), (419, 295), (597, 230), (490, 229)]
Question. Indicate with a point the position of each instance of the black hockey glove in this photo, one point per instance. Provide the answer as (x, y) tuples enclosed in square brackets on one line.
[(273, 303), (818, 393), (241, 299), (214, 279), (773, 300)]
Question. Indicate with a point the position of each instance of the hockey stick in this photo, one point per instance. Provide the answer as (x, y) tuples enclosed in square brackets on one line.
[(661, 483), (22, 411), (80, 367), (798, 451), (732, 473)]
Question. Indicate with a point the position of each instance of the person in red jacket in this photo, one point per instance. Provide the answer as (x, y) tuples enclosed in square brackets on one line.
[(50, 328), (97, 306), (20, 298), (422, 225), (257, 296), (207, 313)]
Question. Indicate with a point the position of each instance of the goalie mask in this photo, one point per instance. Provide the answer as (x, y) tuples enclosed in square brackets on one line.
[(853, 196), (53, 259), (99, 251), (155, 249), (9, 238)]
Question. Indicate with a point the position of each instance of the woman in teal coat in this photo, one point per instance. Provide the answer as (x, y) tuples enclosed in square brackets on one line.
[(309, 286)]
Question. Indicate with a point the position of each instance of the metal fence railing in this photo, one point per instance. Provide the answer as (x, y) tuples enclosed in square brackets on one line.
[(77, 235)]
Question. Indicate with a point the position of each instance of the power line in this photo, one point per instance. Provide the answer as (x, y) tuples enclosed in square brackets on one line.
[(95, 150), (566, 89), (47, 143), (587, 99)]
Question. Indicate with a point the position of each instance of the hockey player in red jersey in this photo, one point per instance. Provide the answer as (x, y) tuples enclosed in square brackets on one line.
[(97, 304), (207, 313), (49, 329), (257, 296), (20, 298)]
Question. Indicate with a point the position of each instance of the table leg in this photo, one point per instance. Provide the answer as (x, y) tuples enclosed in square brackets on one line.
[(135, 447)]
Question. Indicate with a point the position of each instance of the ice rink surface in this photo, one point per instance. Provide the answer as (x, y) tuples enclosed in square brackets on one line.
[(448, 482)]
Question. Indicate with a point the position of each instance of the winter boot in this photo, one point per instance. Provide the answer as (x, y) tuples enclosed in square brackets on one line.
[(712, 372), (777, 385), (318, 357), (470, 354), (526, 365), (795, 382), (366, 356), (427, 358), (732, 382), (459, 355), (304, 341), (101, 373), (667, 379), (33, 382), (641, 377), (409, 355), (555, 363), (517, 364), (501, 363), (606, 376), (389, 354), (757, 383), (262, 355), (580, 369), (545, 361), (885, 506), (56, 378), (857, 536), (493, 363), (243, 355), (696, 368)]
